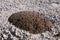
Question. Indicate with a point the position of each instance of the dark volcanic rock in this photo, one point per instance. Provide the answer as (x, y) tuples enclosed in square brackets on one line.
[(30, 21)]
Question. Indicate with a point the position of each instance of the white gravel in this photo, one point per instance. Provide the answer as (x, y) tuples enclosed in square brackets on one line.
[(50, 8)]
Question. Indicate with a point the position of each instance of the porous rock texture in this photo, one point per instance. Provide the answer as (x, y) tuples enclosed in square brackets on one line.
[(50, 9), (31, 21)]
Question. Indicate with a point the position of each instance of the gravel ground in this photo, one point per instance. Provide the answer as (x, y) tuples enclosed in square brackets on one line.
[(50, 8)]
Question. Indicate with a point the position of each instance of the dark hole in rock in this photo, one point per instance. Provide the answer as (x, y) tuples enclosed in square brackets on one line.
[(30, 21)]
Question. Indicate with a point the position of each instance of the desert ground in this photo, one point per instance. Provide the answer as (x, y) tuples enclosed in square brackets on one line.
[(50, 8)]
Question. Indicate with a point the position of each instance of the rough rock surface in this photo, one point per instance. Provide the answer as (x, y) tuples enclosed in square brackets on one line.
[(31, 21), (50, 8)]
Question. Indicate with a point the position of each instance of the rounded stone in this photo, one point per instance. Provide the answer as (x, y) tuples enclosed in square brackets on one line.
[(30, 21)]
